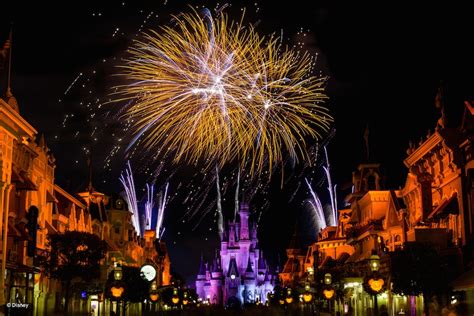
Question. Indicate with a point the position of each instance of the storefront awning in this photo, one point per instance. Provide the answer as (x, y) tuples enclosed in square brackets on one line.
[(22, 181), (464, 282), (13, 231), (50, 228), (50, 198), (446, 207)]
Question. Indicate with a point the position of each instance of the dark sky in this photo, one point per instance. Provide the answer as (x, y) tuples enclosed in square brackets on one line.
[(384, 63)]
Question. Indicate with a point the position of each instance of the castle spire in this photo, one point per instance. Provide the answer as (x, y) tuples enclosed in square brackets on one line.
[(440, 101), (202, 267), (366, 139), (7, 49), (90, 188), (249, 266)]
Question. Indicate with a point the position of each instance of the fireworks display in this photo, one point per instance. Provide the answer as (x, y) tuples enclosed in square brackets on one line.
[(92, 121), (128, 183), (131, 198), (214, 90)]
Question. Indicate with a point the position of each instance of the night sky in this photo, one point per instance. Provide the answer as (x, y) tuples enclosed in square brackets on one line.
[(384, 66)]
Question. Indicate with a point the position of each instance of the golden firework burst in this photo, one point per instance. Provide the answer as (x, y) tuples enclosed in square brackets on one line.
[(215, 90)]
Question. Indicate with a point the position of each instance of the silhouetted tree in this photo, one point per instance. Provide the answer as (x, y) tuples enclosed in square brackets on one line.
[(73, 256), (418, 269)]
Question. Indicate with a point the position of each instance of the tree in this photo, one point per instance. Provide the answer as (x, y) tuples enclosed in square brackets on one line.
[(73, 256), (419, 269)]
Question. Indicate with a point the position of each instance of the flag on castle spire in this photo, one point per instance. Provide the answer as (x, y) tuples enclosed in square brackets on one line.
[(366, 139), (5, 51)]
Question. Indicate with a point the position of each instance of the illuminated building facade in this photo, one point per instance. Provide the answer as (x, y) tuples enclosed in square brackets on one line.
[(435, 206)]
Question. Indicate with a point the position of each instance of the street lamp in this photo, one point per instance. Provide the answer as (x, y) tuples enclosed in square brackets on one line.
[(375, 284), (185, 298), (289, 296), (328, 289), (175, 298)]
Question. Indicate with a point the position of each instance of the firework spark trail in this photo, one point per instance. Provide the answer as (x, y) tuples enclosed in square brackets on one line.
[(236, 199), (214, 90), (149, 204), (317, 208), (204, 214), (72, 83), (332, 191), (161, 211), (220, 220), (130, 196)]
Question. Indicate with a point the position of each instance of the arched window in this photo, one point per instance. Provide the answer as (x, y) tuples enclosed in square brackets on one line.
[(371, 183), (117, 228), (398, 238)]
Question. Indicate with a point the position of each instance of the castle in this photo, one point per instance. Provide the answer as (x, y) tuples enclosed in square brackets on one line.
[(240, 274)]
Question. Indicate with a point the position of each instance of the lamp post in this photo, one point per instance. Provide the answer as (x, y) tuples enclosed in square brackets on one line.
[(328, 290), (117, 290), (175, 298), (154, 296), (289, 296), (374, 264)]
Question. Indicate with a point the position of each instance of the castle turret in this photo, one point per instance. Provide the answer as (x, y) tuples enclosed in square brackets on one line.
[(249, 273), (253, 232), (244, 221), (232, 238), (217, 280), (262, 268), (201, 279)]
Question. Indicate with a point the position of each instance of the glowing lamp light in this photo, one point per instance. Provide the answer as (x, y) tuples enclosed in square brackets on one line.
[(154, 297), (327, 279), (116, 291), (175, 298), (153, 286), (328, 293), (84, 294), (289, 299), (307, 297), (374, 262), (376, 284), (281, 302), (185, 301), (118, 273)]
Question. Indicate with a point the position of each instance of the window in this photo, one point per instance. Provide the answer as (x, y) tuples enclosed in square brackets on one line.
[(371, 183)]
